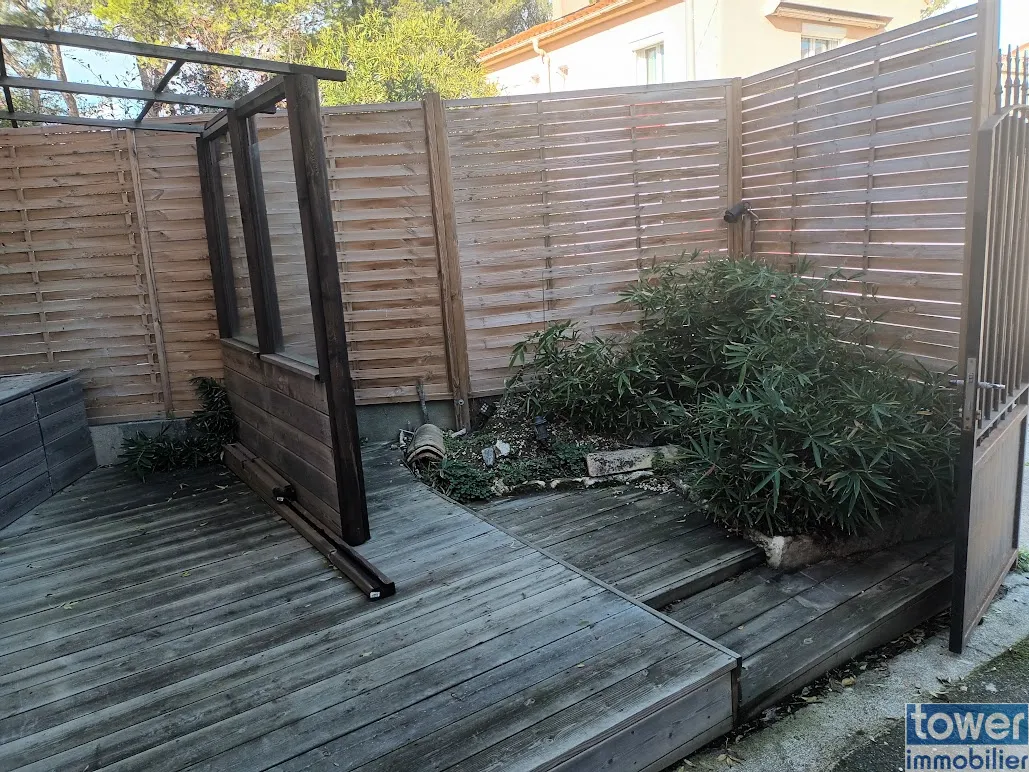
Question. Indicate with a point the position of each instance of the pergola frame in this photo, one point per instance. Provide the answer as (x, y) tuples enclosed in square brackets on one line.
[(160, 94), (298, 86)]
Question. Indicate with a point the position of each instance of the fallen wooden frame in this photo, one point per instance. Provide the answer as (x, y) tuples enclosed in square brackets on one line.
[(277, 493)]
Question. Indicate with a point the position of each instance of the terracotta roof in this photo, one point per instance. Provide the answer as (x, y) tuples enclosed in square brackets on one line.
[(584, 17)]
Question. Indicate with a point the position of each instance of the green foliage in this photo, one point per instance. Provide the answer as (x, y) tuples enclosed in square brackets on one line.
[(398, 55), (933, 7), (1022, 563), (789, 424), (260, 28), (599, 385), (464, 477), (210, 427), (494, 20), (461, 480)]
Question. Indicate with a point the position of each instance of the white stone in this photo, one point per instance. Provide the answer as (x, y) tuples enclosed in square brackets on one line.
[(609, 462)]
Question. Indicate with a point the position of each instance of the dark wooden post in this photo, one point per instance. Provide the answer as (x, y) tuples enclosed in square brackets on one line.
[(311, 169), (213, 197), (254, 218), (441, 186)]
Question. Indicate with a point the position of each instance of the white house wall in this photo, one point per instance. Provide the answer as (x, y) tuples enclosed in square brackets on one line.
[(605, 58), (732, 38)]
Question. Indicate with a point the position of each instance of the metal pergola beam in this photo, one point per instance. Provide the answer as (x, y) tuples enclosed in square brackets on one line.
[(90, 89), (171, 53), (128, 123)]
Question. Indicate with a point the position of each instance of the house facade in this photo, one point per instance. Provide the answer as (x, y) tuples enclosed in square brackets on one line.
[(630, 42)]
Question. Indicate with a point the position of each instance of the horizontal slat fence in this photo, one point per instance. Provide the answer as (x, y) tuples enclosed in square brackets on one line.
[(561, 200), (74, 289), (549, 205), (857, 160), (379, 182), (84, 286), (174, 227)]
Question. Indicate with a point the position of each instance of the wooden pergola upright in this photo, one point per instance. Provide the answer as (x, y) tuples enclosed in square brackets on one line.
[(336, 519)]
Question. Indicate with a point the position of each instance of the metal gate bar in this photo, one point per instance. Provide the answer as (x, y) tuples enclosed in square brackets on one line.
[(996, 371)]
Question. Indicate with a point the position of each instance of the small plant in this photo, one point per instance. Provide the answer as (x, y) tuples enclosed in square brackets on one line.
[(789, 423), (1022, 562), (207, 430), (464, 475), (461, 480)]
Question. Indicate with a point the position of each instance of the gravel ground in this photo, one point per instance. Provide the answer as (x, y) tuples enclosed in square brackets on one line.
[(1003, 679)]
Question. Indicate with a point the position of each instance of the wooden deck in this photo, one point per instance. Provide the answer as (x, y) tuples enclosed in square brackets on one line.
[(179, 624), (788, 628), (654, 547)]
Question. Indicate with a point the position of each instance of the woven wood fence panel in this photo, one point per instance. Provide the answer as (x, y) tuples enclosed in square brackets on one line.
[(857, 160), (561, 201), (74, 289), (174, 226)]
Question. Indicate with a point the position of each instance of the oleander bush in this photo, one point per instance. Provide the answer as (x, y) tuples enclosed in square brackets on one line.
[(207, 430), (790, 424)]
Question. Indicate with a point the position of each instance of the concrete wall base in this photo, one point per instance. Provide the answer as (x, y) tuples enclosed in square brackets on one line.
[(107, 438), (376, 423), (382, 423)]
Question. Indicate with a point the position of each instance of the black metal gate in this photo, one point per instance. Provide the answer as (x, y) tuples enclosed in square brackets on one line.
[(995, 371)]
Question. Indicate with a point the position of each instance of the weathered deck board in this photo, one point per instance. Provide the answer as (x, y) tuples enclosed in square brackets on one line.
[(179, 624), (653, 547), (791, 628), (788, 628)]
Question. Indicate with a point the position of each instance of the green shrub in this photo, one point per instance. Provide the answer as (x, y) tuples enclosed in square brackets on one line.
[(790, 425), (463, 476), (207, 430)]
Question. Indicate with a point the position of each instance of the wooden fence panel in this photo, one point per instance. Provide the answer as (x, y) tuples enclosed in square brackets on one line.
[(562, 199), (857, 160), (174, 215), (278, 179), (74, 289), (379, 178)]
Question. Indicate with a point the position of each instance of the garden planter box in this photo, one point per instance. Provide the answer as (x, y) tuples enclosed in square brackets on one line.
[(45, 443)]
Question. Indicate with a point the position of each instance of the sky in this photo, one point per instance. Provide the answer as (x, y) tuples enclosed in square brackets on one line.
[(1014, 21), (118, 70)]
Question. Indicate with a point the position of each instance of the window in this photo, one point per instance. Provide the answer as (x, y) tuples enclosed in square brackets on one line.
[(810, 46), (244, 325), (288, 256), (650, 64)]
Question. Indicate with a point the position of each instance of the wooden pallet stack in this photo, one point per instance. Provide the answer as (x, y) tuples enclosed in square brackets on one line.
[(45, 444)]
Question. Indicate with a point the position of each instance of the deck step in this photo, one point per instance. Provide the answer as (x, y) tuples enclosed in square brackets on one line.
[(656, 548), (791, 628)]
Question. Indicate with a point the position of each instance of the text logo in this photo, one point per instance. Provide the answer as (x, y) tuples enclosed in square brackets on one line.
[(968, 724)]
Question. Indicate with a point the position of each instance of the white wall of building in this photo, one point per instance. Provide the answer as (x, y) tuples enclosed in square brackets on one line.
[(729, 38), (759, 42), (604, 59)]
